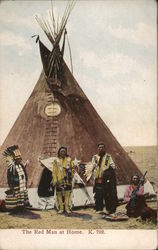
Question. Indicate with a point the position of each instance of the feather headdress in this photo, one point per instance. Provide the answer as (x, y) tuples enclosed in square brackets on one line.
[(12, 152)]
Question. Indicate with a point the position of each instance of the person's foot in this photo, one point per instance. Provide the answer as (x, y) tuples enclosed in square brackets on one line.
[(105, 211), (113, 214), (60, 211), (68, 211), (98, 212)]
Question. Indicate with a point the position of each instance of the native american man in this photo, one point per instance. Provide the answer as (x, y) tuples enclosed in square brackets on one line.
[(104, 181), (138, 207), (17, 195), (139, 202), (133, 184), (62, 179)]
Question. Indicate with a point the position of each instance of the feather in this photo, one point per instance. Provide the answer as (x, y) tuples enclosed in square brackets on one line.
[(88, 170)]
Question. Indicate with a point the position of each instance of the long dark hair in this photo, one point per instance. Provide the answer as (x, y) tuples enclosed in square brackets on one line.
[(131, 181), (62, 147)]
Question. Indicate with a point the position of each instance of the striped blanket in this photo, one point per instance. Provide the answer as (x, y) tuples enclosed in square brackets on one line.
[(18, 195)]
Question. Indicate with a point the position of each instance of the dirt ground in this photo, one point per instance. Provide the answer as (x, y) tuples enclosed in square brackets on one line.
[(79, 219)]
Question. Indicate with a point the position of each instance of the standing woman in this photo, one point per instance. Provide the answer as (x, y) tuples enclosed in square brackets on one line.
[(62, 175), (17, 195)]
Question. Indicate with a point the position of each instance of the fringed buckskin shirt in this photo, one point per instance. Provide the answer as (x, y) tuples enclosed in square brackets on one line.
[(105, 164), (60, 171)]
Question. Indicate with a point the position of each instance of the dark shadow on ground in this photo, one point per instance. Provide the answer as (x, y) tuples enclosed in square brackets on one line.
[(79, 215), (27, 214)]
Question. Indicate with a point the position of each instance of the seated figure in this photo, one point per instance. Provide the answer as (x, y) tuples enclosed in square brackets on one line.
[(137, 207)]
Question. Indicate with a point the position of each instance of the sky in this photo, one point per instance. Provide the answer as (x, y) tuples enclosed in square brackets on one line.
[(113, 46)]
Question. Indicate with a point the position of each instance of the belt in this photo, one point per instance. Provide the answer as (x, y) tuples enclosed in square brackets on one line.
[(99, 180)]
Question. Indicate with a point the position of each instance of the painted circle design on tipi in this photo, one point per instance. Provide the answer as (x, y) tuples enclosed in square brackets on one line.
[(53, 109)]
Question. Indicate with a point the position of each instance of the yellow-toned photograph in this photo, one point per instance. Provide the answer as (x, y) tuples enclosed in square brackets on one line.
[(78, 122)]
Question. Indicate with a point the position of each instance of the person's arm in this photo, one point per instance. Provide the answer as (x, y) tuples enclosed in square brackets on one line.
[(54, 176), (72, 166), (127, 195), (9, 178), (12, 177), (111, 163), (26, 164), (141, 190), (113, 182), (94, 163)]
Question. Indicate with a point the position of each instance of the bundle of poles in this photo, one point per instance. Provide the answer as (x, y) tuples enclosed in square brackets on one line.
[(54, 30)]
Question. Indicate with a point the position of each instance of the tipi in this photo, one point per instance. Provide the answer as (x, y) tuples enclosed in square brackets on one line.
[(58, 112)]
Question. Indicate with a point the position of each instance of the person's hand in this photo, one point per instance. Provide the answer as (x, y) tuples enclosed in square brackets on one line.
[(62, 188), (27, 163), (94, 167), (142, 180)]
